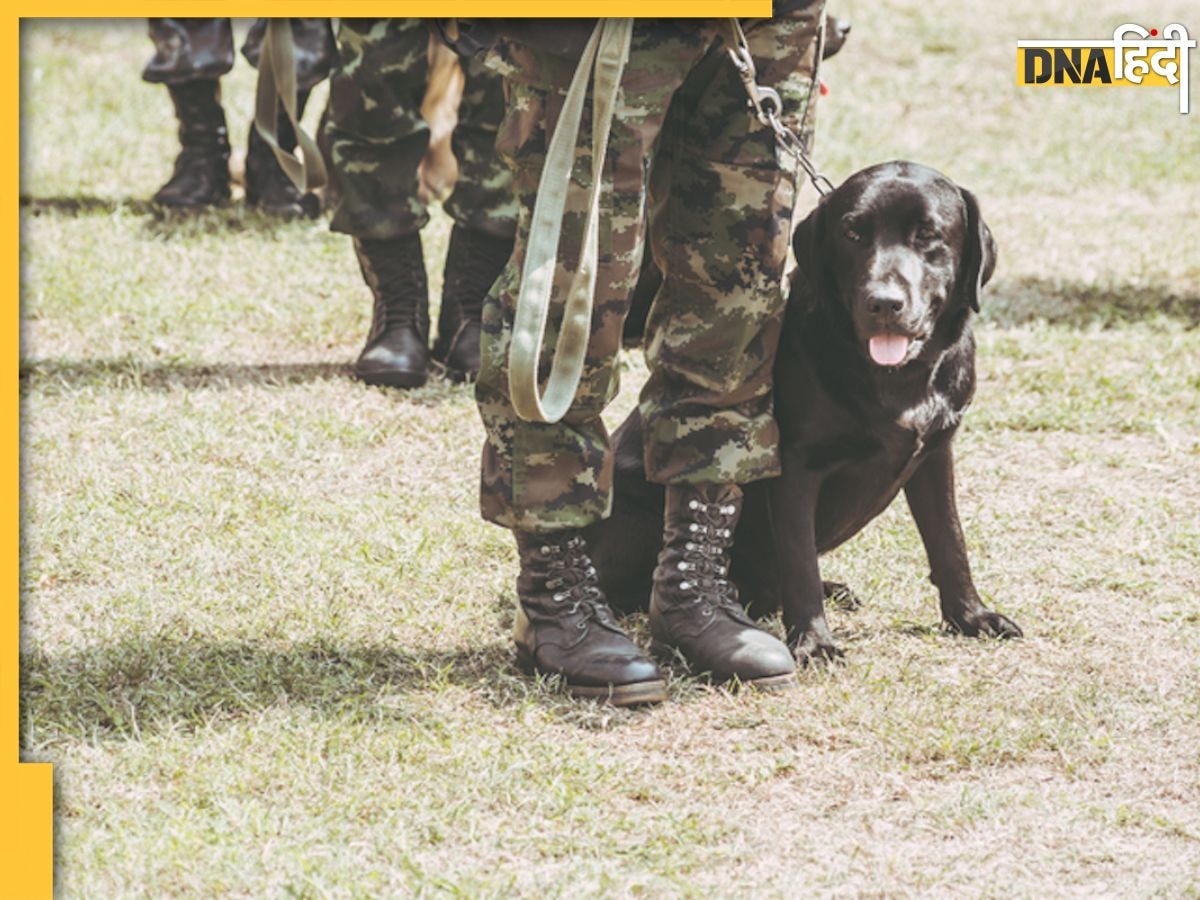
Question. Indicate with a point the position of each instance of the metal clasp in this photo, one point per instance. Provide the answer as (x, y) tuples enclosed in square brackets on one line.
[(767, 106)]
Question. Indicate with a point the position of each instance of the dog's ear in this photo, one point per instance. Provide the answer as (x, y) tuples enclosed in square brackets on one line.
[(808, 245), (979, 252)]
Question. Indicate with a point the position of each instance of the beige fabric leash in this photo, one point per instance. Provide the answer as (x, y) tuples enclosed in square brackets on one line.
[(277, 81), (604, 57)]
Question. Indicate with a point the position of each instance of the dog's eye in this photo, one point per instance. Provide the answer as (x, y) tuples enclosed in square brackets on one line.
[(853, 236), (926, 233)]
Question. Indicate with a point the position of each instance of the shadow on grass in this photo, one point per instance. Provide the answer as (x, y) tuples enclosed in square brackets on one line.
[(161, 222), (131, 373), (138, 687), (1062, 302), (135, 688), (87, 206)]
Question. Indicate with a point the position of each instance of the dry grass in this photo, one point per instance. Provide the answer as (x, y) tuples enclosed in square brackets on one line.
[(265, 633)]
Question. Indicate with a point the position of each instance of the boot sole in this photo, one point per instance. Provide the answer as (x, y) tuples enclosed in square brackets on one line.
[(772, 684), (392, 379), (640, 693), (190, 207), (644, 693), (767, 683)]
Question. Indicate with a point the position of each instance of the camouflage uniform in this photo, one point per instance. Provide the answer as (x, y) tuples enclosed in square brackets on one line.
[(377, 136), (686, 154), (191, 49)]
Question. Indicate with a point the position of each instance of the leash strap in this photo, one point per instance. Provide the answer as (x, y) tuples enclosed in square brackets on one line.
[(604, 58), (277, 81), (765, 102)]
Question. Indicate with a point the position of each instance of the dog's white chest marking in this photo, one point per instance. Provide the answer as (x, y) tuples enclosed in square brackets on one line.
[(918, 418), (934, 413)]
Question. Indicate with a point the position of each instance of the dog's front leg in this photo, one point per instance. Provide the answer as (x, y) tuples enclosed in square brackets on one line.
[(793, 518), (930, 495)]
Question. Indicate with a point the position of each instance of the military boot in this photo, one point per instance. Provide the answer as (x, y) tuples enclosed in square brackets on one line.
[(694, 606), (564, 625), (396, 353), (473, 263), (267, 185), (201, 176)]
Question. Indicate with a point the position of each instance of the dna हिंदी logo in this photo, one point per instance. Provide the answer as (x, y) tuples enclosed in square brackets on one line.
[(1134, 57)]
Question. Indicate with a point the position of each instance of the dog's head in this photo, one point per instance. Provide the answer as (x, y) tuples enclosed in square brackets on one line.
[(897, 248)]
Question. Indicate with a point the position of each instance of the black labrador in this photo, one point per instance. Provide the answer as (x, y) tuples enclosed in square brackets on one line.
[(876, 367)]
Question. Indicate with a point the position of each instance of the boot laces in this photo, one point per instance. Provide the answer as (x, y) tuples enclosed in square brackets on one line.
[(704, 568), (399, 294), (573, 579), (477, 265)]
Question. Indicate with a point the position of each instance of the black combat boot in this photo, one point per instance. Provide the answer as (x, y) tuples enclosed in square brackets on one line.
[(201, 176), (396, 353), (267, 185), (473, 263), (564, 625), (694, 607)]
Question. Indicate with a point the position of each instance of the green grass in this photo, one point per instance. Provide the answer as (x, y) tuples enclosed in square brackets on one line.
[(265, 634)]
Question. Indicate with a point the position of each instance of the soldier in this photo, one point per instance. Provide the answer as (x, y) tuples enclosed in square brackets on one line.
[(719, 196), (377, 139), (190, 56)]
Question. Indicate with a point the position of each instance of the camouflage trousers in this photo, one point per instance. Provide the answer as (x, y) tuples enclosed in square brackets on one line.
[(687, 163), (195, 49), (377, 136)]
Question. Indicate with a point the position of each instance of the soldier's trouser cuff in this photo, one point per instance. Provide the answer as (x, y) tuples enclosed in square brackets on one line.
[(377, 187), (729, 446), (189, 50), (538, 477), (356, 217), (314, 50), (497, 221)]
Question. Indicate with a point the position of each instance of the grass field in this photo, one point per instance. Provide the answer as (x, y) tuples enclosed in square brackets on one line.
[(266, 636)]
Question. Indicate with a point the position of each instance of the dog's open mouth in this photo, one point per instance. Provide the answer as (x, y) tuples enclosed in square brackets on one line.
[(889, 349)]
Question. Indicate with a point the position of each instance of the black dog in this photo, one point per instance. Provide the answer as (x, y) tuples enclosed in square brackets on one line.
[(876, 366)]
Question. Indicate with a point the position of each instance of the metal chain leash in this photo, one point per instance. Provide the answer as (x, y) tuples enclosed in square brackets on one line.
[(768, 106)]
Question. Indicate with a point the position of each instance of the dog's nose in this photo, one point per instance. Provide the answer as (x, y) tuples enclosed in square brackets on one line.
[(889, 305)]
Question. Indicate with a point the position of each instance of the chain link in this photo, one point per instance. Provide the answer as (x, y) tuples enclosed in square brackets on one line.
[(768, 107)]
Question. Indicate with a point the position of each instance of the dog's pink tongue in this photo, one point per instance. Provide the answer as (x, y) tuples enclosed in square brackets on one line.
[(888, 349)]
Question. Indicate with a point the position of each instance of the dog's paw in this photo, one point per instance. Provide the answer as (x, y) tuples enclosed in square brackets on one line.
[(983, 622), (841, 596), (815, 645)]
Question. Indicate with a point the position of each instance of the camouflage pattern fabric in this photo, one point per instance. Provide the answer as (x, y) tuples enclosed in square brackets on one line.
[(377, 136), (194, 49), (686, 155)]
